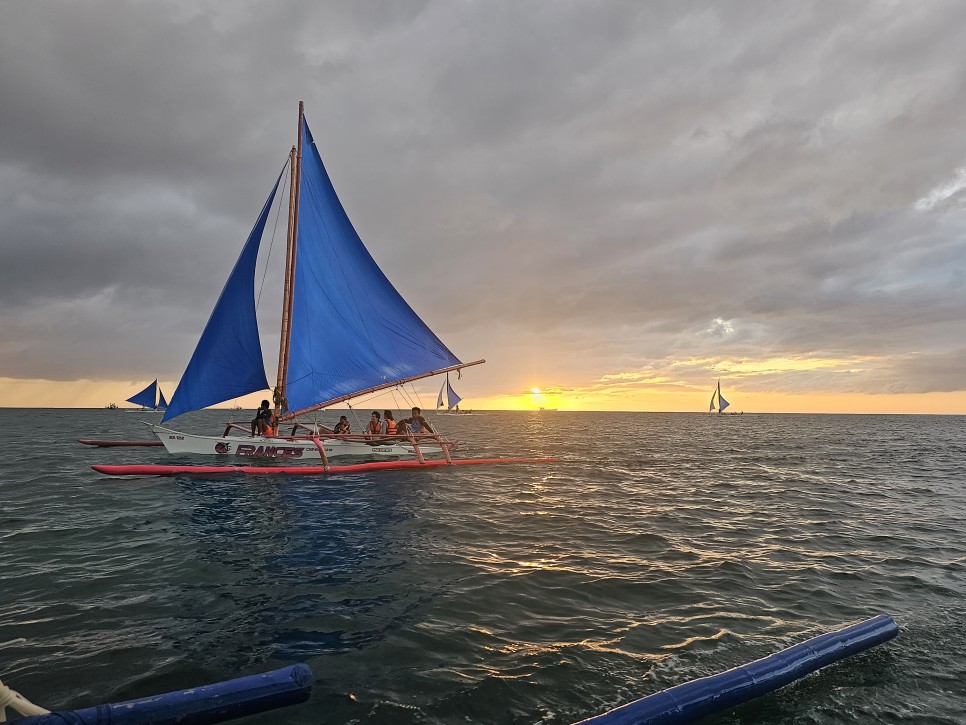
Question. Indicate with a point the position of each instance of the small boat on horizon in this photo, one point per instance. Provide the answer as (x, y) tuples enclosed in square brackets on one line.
[(721, 402), (151, 400), (452, 401)]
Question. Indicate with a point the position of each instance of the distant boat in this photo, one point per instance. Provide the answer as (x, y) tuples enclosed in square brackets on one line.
[(721, 402), (111, 406), (547, 410), (452, 401), (150, 399)]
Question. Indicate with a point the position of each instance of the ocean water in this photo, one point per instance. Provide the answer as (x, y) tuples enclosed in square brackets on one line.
[(659, 548)]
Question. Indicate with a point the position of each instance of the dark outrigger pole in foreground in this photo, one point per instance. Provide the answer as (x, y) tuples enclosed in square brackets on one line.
[(345, 332)]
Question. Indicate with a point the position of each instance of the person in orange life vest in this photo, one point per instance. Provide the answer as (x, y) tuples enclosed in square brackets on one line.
[(264, 423), (342, 426), (375, 425), (388, 423)]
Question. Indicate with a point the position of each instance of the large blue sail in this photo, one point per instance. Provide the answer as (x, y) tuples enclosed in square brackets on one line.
[(351, 329), (227, 363), (147, 398)]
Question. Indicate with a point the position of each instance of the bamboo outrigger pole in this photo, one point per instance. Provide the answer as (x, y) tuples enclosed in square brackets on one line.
[(326, 403), (285, 343)]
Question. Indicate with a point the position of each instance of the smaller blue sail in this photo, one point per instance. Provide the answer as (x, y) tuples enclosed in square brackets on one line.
[(148, 397), (162, 403), (227, 363), (454, 399)]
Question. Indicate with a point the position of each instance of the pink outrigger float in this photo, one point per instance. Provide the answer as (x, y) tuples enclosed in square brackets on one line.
[(346, 332), (118, 444), (204, 471)]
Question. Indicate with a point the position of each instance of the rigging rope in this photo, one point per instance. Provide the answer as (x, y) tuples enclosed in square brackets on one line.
[(13, 699), (271, 244), (404, 406)]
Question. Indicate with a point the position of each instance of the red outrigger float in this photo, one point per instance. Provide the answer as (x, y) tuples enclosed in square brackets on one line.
[(119, 444), (162, 470)]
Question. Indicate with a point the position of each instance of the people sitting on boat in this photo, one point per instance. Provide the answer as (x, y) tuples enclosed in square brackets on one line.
[(342, 426), (388, 423), (417, 423), (375, 425), (264, 422)]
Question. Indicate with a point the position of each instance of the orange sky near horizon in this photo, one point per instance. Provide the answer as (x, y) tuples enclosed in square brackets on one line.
[(98, 393)]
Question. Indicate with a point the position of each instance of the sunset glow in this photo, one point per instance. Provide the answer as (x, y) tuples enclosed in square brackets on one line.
[(615, 393), (650, 234)]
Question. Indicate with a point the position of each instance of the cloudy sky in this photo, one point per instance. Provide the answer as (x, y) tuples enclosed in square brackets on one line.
[(617, 203)]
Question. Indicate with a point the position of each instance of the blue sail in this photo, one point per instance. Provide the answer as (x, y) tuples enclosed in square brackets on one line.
[(162, 403), (147, 398), (227, 363), (351, 329), (454, 399)]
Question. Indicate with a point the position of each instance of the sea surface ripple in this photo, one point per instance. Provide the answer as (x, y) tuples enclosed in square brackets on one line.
[(658, 549)]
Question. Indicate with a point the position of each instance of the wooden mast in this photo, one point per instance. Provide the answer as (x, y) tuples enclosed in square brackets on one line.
[(285, 341)]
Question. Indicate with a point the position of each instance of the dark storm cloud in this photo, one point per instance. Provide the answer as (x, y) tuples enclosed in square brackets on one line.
[(631, 183)]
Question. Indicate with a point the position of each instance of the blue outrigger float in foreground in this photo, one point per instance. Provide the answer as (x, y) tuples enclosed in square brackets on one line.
[(693, 700), (291, 685), (200, 705)]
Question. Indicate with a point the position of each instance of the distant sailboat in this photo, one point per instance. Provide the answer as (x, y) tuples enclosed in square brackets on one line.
[(451, 401), (721, 402), (151, 398)]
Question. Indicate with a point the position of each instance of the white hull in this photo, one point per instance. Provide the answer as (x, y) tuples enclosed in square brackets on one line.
[(284, 447)]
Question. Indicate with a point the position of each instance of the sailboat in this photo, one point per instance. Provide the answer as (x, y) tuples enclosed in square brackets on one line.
[(721, 402), (345, 332), (151, 399), (451, 401)]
